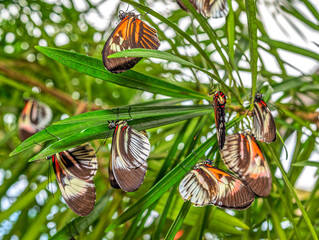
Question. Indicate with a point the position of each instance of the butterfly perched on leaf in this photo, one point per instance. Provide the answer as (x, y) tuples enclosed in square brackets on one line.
[(130, 150), (35, 116), (74, 170), (242, 155), (264, 127), (219, 111), (208, 185), (130, 33), (208, 8)]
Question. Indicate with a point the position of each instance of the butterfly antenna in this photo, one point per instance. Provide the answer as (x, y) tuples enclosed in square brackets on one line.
[(50, 180), (38, 144), (118, 114), (198, 132), (52, 134)]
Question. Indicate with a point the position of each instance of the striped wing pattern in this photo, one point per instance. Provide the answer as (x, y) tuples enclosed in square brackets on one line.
[(74, 170), (207, 185), (128, 165), (208, 8), (242, 155), (130, 33), (219, 111), (35, 117), (264, 127)]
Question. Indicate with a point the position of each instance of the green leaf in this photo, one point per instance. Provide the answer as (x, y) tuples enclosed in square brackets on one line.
[(178, 221), (94, 67), (306, 163)]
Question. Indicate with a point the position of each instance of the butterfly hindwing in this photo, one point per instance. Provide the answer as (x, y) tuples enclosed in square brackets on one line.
[(242, 155), (130, 33), (207, 185), (34, 117), (208, 8), (264, 127), (130, 150), (219, 111), (74, 170)]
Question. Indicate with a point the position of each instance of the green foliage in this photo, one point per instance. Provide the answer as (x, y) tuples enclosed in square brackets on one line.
[(169, 97)]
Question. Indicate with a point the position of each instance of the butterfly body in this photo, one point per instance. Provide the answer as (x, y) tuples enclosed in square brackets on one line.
[(208, 185), (264, 127), (34, 117), (74, 170), (208, 8), (130, 33), (130, 150), (219, 111), (242, 155)]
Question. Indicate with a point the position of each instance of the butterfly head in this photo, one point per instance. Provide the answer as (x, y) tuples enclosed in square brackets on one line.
[(258, 96), (220, 98), (123, 14), (49, 157), (112, 124)]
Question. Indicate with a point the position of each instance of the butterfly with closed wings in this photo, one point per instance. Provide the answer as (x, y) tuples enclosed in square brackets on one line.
[(130, 33), (34, 117), (129, 152), (74, 169), (242, 155), (208, 185), (264, 127), (208, 8), (219, 112)]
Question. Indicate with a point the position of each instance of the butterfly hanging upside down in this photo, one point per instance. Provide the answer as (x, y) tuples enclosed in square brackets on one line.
[(130, 33)]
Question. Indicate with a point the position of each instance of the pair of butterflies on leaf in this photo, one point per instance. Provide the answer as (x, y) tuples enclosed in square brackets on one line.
[(75, 168), (132, 33), (208, 185)]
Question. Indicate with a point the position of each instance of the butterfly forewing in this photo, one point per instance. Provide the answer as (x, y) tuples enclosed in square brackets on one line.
[(35, 116), (75, 169), (130, 33), (242, 155), (130, 150), (264, 128), (219, 111), (208, 8), (207, 185)]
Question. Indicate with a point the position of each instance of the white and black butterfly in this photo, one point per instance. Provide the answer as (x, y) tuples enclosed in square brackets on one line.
[(74, 169), (208, 185), (130, 150), (130, 33), (264, 129), (208, 8), (34, 117)]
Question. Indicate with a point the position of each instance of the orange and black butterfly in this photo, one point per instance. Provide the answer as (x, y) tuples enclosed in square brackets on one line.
[(264, 128), (130, 33), (130, 150), (74, 170), (208, 185), (219, 111), (242, 155), (208, 8), (35, 116)]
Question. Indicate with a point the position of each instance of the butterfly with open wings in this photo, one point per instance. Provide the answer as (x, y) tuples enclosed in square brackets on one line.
[(130, 33)]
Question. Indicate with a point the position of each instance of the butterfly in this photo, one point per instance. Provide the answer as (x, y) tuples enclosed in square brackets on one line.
[(74, 170), (34, 117), (130, 33), (208, 185), (219, 111), (264, 128), (242, 155), (208, 8), (129, 152)]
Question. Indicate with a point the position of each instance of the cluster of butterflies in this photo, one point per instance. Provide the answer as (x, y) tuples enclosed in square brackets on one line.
[(208, 185), (75, 168)]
